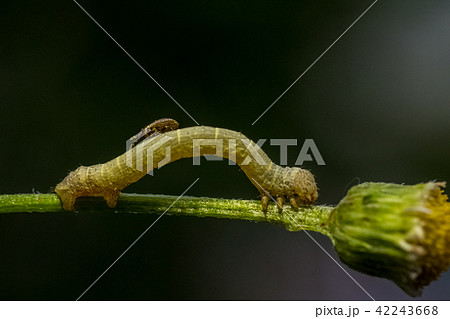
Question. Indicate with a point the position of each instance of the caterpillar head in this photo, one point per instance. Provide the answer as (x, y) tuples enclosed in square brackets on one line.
[(305, 186)]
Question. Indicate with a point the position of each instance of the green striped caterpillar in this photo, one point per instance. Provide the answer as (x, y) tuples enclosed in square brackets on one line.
[(108, 179)]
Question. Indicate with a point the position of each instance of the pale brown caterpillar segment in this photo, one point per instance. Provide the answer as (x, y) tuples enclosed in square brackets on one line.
[(107, 180)]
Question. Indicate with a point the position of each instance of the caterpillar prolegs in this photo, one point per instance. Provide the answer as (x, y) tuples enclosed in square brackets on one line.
[(148, 151)]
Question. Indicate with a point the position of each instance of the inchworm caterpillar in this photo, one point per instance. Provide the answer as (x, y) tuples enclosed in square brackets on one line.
[(108, 179)]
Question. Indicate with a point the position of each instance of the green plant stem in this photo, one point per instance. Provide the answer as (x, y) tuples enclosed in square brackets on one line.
[(313, 218)]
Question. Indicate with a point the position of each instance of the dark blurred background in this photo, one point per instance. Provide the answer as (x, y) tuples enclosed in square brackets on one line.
[(377, 106)]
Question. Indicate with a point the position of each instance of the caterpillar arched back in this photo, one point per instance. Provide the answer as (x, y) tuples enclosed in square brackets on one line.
[(292, 183)]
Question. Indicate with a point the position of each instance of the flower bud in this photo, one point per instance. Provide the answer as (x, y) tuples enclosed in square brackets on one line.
[(398, 232)]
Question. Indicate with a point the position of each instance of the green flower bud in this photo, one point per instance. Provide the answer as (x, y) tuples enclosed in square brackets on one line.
[(398, 232)]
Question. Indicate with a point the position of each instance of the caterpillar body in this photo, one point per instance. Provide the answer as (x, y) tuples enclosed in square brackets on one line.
[(108, 179)]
